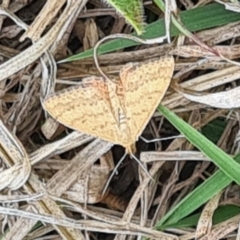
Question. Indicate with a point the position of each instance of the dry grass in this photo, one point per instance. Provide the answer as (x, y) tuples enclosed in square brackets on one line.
[(52, 179)]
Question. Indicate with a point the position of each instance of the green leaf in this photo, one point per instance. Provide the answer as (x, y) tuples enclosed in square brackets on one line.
[(132, 11), (200, 18), (214, 129)]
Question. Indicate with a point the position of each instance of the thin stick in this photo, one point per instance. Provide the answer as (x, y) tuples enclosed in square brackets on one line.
[(125, 36)]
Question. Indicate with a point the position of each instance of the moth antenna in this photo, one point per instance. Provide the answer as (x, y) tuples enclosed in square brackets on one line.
[(160, 139)]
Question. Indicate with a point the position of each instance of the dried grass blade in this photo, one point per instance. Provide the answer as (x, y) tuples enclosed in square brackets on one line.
[(34, 52), (228, 99), (13, 154)]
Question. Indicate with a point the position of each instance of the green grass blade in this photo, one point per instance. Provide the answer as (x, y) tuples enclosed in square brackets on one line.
[(204, 17), (221, 214), (225, 162), (200, 195), (212, 185)]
